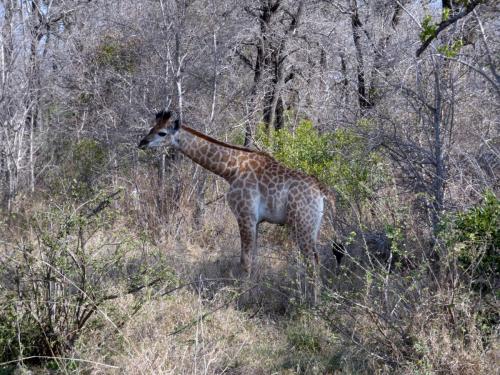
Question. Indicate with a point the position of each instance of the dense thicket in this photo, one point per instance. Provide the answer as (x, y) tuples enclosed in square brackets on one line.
[(393, 104)]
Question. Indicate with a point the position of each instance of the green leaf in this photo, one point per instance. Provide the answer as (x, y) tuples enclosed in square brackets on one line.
[(429, 29)]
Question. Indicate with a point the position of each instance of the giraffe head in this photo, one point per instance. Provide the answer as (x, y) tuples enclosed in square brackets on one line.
[(164, 132)]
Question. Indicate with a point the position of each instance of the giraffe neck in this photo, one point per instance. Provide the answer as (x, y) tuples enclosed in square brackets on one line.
[(213, 155)]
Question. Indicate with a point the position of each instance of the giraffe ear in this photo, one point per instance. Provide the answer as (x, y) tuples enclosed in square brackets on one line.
[(163, 116), (177, 124)]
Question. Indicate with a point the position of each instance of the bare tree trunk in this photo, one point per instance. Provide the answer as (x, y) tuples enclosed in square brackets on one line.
[(261, 64), (33, 99), (356, 24), (270, 61), (380, 55), (440, 177), (273, 101), (31, 156), (345, 81), (201, 182), (178, 62), (6, 66)]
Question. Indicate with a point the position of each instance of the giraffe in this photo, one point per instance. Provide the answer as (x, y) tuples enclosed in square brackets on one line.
[(260, 188)]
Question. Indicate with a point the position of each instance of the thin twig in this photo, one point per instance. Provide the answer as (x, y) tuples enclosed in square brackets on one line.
[(57, 358), (202, 317)]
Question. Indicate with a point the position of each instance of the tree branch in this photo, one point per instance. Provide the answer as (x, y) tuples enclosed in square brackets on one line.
[(103, 204), (444, 24), (245, 59)]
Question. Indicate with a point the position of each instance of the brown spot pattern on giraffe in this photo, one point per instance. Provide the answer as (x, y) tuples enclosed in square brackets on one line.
[(261, 189)]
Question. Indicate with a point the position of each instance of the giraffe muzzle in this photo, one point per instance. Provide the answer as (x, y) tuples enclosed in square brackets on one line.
[(143, 144)]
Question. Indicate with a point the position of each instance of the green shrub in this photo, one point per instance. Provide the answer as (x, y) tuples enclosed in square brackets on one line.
[(475, 237), (339, 159), (90, 157), (82, 163), (121, 56), (309, 346), (8, 347), (304, 338), (429, 29), (58, 281), (21, 335)]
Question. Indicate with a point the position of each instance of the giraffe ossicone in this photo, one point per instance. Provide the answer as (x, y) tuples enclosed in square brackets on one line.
[(260, 188)]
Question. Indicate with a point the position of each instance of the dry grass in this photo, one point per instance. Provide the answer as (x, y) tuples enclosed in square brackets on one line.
[(224, 339), (216, 323)]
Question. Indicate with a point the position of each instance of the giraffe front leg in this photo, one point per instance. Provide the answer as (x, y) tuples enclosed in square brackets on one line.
[(248, 237)]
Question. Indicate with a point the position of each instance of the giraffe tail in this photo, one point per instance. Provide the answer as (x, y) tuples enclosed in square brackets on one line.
[(330, 197)]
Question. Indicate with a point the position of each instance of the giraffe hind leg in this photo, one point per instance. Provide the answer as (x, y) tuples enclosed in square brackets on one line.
[(306, 232), (304, 216), (307, 244), (307, 226)]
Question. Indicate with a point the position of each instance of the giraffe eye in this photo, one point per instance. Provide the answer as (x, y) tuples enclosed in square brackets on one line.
[(162, 134)]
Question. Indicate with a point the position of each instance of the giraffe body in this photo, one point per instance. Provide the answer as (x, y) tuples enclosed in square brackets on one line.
[(270, 192), (260, 188)]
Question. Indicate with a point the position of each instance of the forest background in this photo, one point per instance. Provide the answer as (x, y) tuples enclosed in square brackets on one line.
[(115, 260)]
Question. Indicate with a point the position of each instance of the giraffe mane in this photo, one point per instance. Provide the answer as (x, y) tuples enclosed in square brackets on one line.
[(220, 143)]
